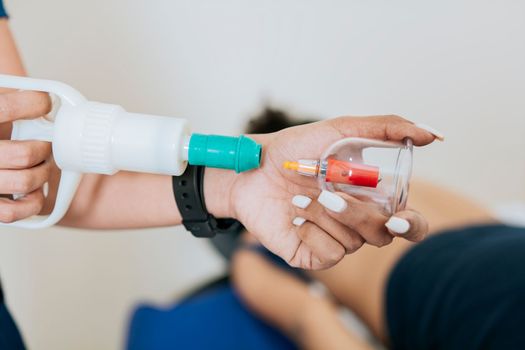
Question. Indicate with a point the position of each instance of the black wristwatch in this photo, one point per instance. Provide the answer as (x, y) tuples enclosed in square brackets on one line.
[(188, 190)]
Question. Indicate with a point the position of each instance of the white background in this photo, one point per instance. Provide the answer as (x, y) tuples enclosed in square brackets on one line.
[(455, 65)]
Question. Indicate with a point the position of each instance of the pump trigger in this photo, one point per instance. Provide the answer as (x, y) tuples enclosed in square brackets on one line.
[(34, 129)]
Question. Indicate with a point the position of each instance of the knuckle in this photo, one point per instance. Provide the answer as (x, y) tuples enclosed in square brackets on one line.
[(382, 240), (303, 232), (387, 239), (418, 231), (335, 255), (46, 102), (418, 237), (354, 245), (359, 220), (375, 240)]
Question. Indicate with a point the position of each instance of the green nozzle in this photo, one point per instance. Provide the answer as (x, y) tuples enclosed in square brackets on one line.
[(226, 152)]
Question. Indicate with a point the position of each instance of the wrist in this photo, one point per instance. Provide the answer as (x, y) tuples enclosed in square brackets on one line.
[(217, 188), (220, 184)]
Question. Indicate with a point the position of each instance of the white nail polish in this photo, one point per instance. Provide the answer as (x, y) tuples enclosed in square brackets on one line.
[(301, 201), (439, 135), (45, 189), (332, 201), (398, 225), (298, 221)]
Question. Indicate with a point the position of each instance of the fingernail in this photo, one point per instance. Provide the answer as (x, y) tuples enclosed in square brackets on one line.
[(439, 135), (298, 221), (301, 201), (45, 189), (332, 201), (398, 225)]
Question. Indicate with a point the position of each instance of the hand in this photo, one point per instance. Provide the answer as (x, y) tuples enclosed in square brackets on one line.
[(24, 165), (262, 199)]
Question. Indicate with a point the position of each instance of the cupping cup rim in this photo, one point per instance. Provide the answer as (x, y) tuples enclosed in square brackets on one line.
[(404, 146)]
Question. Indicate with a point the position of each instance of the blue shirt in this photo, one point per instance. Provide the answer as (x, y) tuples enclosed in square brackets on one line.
[(215, 320)]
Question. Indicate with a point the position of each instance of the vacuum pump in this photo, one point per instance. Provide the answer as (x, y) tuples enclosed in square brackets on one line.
[(101, 138)]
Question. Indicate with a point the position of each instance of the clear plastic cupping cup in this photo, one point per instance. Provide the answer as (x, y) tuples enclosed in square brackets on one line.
[(371, 170)]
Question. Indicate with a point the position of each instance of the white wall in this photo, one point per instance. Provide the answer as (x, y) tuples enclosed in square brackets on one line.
[(456, 65)]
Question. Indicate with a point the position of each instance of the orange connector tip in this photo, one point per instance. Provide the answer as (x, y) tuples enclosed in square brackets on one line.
[(291, 165)]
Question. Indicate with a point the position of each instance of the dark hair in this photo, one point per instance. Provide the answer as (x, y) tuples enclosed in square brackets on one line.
[(272, 120)]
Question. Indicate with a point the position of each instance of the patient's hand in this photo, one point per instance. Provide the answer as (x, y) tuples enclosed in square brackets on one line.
[(262, 199)]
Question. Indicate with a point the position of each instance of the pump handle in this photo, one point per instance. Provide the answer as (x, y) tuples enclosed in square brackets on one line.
[(42, 129)]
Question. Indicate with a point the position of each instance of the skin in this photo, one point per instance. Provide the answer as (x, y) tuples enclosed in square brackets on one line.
[(310, 321), (325, 239), (357, 282), (260, 199)]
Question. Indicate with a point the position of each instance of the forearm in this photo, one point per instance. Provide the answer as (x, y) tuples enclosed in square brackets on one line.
[(136, 200), (282, 306), (321, 328), (283, 301)]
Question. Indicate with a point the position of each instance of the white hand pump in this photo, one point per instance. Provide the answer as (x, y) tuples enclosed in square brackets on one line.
[(90, 137)]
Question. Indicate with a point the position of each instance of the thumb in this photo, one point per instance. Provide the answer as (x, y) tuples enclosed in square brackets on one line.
[(408, 224), (23, 105)]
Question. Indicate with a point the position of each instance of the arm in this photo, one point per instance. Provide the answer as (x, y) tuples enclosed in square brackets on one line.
[(135, 200), (260, 199), (311, 321)]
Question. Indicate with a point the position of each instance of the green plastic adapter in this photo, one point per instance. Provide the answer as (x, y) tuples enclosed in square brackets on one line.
[(225, 152)]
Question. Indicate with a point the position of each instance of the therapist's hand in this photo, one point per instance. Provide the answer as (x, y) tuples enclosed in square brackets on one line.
[(24, 165), (335, 225)]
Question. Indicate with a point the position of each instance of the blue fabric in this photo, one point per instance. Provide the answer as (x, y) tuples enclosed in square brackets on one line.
[(464, 289), (2, 10), (213, 320)]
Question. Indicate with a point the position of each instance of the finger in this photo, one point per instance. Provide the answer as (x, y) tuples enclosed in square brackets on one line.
[(23, 105), (317, 250), (390, 127), (438, 134), (24, 181), (315, 212), (408, 224), (23, 154), (29, 205), (363, 217)]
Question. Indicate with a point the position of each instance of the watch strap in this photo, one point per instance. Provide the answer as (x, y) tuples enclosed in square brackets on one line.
[(188, 190)]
